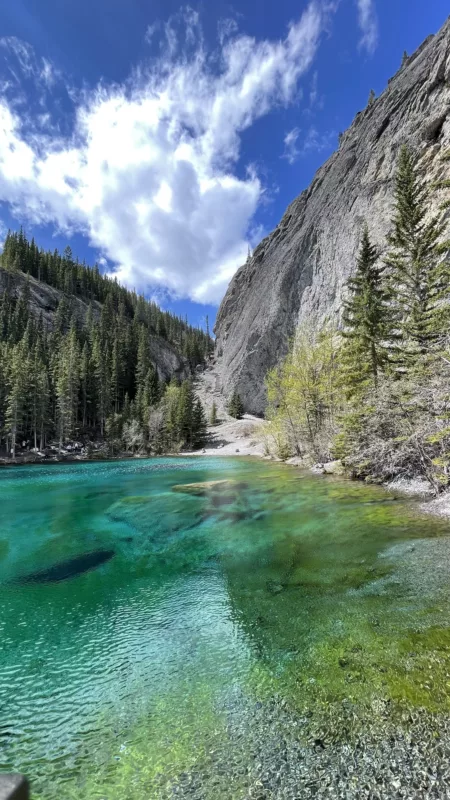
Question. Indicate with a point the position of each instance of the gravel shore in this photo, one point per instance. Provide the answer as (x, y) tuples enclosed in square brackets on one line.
[(278, 755)]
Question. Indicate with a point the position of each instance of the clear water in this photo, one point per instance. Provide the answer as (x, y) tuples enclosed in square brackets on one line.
[(134, 616)]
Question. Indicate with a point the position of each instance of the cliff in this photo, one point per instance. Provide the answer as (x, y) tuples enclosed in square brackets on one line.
[(299, 271)]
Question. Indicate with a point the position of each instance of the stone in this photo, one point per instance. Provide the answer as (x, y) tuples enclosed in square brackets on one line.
[(334, 468), (298, 272), (206, 488), (70, 568), (318, 469), (273, 587), (14, 787)]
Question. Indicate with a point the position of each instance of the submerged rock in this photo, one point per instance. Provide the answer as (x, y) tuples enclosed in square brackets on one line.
[(207, 488), (70, 568), (273, 587)]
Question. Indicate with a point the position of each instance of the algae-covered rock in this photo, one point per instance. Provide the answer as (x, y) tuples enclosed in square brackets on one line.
[(206, 488)]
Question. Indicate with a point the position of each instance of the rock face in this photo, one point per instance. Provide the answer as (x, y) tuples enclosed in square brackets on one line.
[(299, 271), (44, 300)]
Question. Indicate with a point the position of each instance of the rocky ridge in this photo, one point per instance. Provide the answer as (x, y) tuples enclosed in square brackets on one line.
[(299, 271), (44, 300)]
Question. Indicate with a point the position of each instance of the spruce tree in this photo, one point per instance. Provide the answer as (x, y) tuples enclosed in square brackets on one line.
[(102, 380), (236, 406), (91, 366), (15, 416), (419, 279), (199, 424), (185, 415), (366, 318), (67, 386), (213, 414)]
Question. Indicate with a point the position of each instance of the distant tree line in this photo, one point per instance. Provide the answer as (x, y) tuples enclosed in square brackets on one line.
[(89, 377), (375, 394)]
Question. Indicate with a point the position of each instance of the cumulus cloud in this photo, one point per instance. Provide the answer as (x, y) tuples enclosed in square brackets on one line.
[(148, 171), (368, 22)]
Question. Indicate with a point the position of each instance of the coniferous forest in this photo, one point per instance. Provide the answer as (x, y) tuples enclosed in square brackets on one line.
[(374, 392), (88, 374)]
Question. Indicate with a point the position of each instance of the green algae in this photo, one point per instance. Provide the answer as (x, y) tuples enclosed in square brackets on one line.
[(283, 585)]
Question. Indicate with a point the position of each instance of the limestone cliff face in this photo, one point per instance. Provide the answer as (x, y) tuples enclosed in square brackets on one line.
[(44, 300), (299, 271)]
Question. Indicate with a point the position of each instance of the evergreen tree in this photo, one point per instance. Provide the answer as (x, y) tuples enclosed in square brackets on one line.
[(199, 425), (419, 278), (102, 380), (213, 414), (15, 416), (67, 387), (236, 406), (87, 386), (366, 319), (92, 370), (185, 416)]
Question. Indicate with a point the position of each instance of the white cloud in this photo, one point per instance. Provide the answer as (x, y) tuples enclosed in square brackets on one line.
[(368, 22), (21, 62), (312, 142), (314, 93), (291, 151), (318, 142), (148, 172), (226, 28)]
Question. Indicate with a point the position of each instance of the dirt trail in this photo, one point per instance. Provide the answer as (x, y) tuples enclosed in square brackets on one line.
[(230, 436)]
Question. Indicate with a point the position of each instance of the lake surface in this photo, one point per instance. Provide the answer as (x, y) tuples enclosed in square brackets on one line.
[(140, 624)]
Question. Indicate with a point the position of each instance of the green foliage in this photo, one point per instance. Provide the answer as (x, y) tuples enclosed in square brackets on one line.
[(366, 317), (235, 406), (304, 397), (91, 375), (386, 410), (419, 278)]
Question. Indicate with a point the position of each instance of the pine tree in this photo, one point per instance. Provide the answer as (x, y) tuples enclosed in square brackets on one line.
[(102, 380), (67, 386), (213, 414), (87, 369), (419, 278), (366, 319), (17, 397), (87, 386), (198, 425), (236, 406), (185, 415)]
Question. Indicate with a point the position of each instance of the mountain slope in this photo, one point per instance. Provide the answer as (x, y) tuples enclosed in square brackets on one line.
[(298, 272), (43, 304)]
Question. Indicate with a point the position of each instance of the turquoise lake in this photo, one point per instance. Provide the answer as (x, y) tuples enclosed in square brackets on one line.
[(144, 605)]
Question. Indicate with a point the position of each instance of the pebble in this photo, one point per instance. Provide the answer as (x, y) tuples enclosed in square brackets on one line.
[(272, 753)]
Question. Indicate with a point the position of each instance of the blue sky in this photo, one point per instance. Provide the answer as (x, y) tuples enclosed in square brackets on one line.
[(162, 139)]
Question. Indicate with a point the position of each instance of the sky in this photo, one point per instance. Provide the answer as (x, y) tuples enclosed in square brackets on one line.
[(164, 140)]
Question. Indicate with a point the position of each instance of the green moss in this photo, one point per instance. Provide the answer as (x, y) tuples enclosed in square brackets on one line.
[(159, 751)]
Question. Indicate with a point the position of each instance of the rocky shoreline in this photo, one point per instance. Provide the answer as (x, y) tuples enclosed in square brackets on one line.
[(275, 753)]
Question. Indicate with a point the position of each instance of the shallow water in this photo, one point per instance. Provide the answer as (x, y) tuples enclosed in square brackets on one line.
[(137, 620)]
